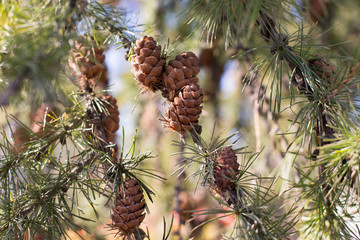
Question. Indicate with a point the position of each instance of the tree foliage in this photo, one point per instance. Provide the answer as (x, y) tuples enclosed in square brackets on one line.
[(297, 179)]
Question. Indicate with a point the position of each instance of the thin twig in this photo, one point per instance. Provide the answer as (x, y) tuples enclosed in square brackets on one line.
[(256, 110), (178, 190)]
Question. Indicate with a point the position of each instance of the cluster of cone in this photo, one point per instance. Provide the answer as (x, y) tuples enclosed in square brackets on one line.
[(87, 64), (177, 81), (226, 169), (128, 212)]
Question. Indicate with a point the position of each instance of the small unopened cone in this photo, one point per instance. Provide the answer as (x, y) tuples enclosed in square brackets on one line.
[(128, 211), (323, 68), (226, 169)]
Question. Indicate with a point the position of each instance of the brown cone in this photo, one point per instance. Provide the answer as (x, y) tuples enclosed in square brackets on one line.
[(110, 120), (185, 110), (147, 63), (180, 72), (88, 66), (227, 169), (129, 207), (323, 68)]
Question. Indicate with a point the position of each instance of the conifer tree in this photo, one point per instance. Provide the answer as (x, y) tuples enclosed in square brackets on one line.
[(63, 142)]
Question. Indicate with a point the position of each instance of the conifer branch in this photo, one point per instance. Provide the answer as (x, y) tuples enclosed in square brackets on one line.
[(95, 119), (344, 82), (270, 33)]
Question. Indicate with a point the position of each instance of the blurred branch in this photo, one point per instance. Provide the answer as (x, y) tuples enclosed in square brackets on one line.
[(14, 87), (178, 190), (256, 110)]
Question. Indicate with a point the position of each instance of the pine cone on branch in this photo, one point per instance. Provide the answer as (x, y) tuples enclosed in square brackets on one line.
[(180, 72), (226, 170), (323, 68), (147, 63), (128, 212), (185, 110), (111, 120), (88, 66)]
